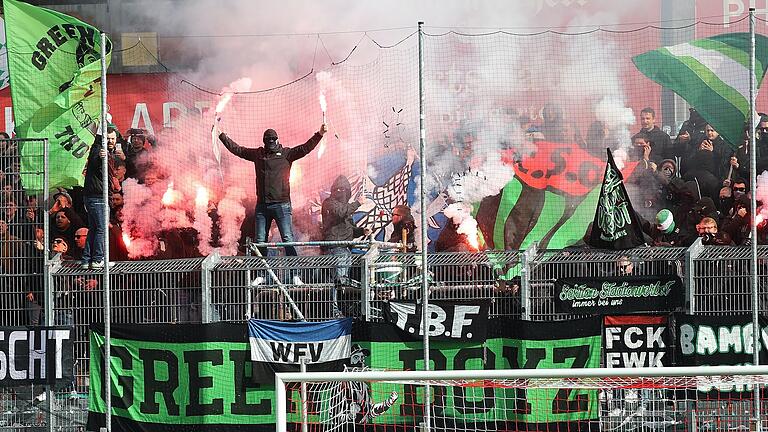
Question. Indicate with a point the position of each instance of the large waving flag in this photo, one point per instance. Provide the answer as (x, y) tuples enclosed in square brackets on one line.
[(55, 69), (616, 225), (711, 74)]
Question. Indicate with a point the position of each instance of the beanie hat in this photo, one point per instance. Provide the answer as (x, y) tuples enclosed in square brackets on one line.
[(665, 221)]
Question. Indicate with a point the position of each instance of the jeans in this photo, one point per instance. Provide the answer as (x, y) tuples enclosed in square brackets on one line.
[(280, 213), (343, 262), (97, 229)]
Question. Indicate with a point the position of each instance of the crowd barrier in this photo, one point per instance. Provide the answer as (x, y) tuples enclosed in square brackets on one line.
[(519, 284)]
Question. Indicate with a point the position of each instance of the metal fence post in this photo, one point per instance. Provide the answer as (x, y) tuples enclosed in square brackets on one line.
[(691, 254), (209, 263), (365, 279), (527, 258), (49, 268)]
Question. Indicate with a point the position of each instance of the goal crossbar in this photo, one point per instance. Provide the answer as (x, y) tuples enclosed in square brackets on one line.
[(281, 379)]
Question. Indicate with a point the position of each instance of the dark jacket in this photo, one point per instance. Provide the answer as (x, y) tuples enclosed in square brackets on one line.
[(738, 227), (408, 224), (710, 161), (94, 187), (337, 213), (273, 170), (661, 144)]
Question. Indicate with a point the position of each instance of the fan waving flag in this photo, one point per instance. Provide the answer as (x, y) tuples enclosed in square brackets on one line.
[(712, 75), (616, 225), (55, 69)]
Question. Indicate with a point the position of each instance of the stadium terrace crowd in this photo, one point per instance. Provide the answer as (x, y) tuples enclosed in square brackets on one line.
[(694, 185)]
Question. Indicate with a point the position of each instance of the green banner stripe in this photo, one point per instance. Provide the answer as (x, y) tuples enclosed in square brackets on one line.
[(575, 227), (740, 42), (509, 196), (739, 56), (552, 211)]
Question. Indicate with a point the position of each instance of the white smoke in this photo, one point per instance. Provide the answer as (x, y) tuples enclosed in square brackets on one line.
[(461, 214)]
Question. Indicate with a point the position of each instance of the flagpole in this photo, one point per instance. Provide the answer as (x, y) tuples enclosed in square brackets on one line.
[(423, 205), (107, 382), (756, 330)]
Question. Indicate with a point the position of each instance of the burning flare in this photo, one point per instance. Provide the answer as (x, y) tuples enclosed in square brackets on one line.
[(461, 214), (323, 104), (295, 176), (323, 107), (169, 196), (127, 239), (201, 199), (225, 98)]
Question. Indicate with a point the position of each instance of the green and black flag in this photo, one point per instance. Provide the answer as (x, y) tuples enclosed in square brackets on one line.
[(55, 68), (616, 225)]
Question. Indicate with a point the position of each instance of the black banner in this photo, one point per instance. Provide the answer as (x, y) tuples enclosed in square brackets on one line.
[(448, 320), (36, 355), (636, 341), (619, 294), (718, 340)]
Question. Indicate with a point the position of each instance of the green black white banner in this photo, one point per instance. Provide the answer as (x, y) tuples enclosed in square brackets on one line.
[(619, 294), (190, 377), (200, 377), (35, 355)]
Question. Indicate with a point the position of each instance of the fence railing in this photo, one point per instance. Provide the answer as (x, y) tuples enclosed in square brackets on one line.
[(518, 283)]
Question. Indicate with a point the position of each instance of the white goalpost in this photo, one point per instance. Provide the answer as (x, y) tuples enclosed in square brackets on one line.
[(693, 399)]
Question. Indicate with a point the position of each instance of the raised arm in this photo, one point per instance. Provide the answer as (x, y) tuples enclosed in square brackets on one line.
[(237, 150), (299, 152)]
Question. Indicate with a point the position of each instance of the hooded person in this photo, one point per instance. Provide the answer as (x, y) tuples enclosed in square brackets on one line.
[(272, 164), (668, 168), (338, 225), (704, 207), (337, 213), (737, 221)]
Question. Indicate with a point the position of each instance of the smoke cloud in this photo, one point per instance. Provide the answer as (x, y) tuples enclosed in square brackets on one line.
[(479, 102)]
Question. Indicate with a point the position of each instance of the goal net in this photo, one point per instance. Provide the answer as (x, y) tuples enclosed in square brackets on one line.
[(703, 399)]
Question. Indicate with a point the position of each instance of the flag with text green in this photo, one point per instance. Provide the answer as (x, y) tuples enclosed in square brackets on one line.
[(55, 70)]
